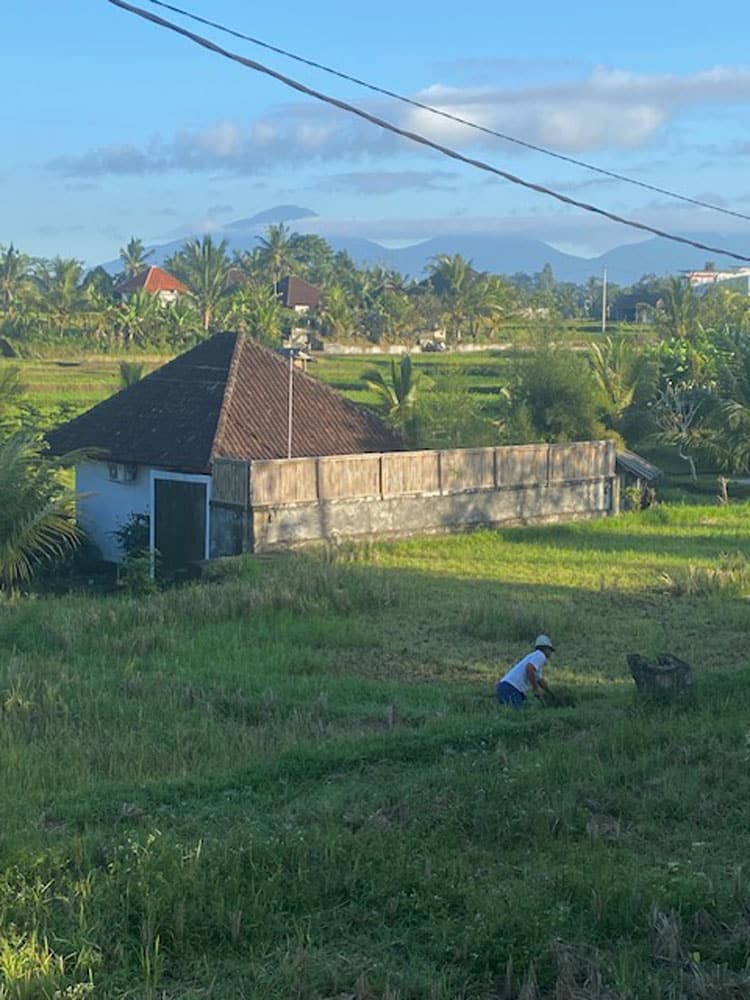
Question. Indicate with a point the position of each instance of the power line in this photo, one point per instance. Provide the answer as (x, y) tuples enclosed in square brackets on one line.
[(414, 136), (451, 117)]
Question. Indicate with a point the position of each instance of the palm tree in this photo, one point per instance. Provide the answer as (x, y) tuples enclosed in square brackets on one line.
[(615, 367), (452, 277), (335, 315), (60, 283), (679, 304), (11, 392), (257, 312), (204, 267), (398, 394), (277, 253), (134, 256), (37, 515), (15, 276)]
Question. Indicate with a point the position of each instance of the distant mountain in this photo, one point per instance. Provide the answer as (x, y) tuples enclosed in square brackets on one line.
[(273, 216), (626, 264), (496, 253)]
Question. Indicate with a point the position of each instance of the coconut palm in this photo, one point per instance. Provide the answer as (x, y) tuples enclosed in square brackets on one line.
[(134, 256), (15, 277), (277, 253), (452, 277), (679, 306), (37, 514), (397, 394), (335, 316), (204, 267), (61, 285)]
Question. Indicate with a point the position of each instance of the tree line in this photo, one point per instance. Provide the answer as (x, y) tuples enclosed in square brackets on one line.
[(55, 301)]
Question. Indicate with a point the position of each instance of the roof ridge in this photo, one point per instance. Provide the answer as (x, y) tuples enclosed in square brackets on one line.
[(239, 343)]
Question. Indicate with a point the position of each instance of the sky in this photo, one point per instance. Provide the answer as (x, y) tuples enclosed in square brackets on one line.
[(114, 127)]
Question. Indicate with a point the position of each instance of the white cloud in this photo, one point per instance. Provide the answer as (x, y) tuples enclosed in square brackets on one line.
[(609, 109)]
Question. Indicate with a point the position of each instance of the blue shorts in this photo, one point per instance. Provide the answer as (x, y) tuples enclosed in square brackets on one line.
[(509, 695)]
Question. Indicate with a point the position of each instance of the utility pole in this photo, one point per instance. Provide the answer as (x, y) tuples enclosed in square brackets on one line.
[(290, 394), (604, 302)]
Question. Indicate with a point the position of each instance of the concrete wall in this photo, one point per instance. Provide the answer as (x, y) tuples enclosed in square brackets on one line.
[(281, 503), (283, 526)]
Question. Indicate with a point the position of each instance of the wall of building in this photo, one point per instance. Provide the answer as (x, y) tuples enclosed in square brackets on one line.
[(108, 505)]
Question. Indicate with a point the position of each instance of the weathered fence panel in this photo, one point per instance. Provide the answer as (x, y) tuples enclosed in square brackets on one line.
[(230, 482), (467, 469), (580, 460), (405, 472), (522, 465), (293, 480), (342, 476)]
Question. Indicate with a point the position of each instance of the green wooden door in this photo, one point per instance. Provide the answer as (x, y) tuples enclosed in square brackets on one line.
[(179, 523)]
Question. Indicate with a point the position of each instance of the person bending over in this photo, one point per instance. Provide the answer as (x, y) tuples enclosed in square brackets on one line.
[(526, 675)]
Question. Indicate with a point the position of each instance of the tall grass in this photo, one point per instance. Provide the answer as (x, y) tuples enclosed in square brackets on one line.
[(292, 779)]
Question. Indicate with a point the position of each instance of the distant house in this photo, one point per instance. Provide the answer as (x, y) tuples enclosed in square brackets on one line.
[(297, 294), (636, 307), (155, 281), (737, 278), (227, 398)]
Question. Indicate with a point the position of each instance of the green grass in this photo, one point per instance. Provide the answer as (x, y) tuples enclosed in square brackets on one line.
[(292, 780)]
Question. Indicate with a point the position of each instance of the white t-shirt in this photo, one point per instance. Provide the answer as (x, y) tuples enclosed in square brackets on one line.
[(517, 673)]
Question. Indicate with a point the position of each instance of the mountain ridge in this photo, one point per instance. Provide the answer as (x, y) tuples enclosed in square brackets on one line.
[(496, 253)]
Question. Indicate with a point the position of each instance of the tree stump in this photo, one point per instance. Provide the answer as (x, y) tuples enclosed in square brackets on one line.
[(668, 676)]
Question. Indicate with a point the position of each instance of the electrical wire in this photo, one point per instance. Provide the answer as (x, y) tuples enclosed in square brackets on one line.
[(414, 136), (451, 117)]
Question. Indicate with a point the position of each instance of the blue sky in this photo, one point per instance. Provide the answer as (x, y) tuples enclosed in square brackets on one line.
[(117, 128)]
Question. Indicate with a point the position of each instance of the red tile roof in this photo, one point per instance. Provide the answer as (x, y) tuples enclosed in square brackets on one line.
[(153, 280), (226, 398)]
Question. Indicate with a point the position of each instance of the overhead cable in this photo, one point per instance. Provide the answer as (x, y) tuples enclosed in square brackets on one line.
[(451, 117), (414, 136)]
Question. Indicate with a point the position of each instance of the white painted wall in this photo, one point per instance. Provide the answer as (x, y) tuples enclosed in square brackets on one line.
[(110, 504)]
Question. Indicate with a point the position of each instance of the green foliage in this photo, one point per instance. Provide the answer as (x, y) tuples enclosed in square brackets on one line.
[(37, 514), (130, 373), (204, 267), (555, 398)]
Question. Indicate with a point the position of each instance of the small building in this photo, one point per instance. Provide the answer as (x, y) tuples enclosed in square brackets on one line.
[(636, 307), (297, 294), (736, 278), (155, 281), (635, 473), (227, 398)]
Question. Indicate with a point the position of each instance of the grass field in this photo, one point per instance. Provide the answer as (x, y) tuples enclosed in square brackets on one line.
[(59, 388), (292, 780)]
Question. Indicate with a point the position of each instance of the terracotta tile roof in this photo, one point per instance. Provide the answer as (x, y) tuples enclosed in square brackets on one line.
[(153, 280), (226, 398), (294, 291)]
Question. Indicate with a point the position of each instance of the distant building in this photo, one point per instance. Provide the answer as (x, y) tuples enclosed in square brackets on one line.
[(636, 307), (156, 281), (737, 279), (297, 294)]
